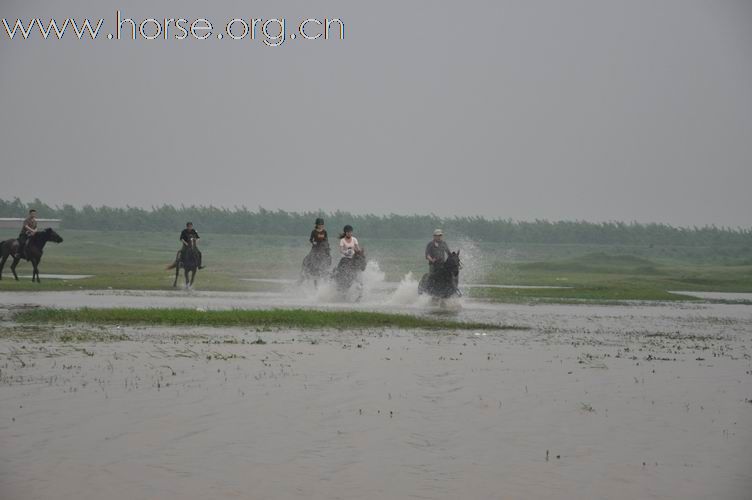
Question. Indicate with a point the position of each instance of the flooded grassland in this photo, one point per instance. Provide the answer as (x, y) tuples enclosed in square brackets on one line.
[(649, 401)]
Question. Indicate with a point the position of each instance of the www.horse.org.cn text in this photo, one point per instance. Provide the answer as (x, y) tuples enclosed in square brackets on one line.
[(272, 32)]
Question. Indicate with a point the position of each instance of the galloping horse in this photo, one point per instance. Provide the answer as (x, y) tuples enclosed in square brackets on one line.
[(442, 283), (348, 270), (316, 263), (33, 251), (187, 259)]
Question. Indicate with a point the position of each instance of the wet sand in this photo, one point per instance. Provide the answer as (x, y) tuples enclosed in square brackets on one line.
[(612, 402)]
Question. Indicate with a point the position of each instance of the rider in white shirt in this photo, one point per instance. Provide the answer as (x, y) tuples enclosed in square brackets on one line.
[(348, 245)]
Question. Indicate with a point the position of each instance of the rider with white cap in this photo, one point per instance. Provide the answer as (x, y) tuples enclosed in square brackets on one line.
[(437, 250)]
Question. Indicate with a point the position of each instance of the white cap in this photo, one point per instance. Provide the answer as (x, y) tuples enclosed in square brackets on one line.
[(438, 232)]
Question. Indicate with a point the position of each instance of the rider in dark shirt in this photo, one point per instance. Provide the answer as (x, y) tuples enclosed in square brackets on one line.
[(319, 238), (436, 251), (28, 230), (185, 239)]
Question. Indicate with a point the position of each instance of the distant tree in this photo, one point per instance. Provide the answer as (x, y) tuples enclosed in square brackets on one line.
[(392, 226)]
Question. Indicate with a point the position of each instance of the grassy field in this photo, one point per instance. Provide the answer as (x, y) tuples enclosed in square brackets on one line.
[(272, 318), (137, 260)]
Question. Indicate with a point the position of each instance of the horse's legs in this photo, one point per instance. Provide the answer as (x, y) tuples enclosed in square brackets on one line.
[(13, 265), (2, 264), (177, 273), (35, 271), (193, 276)]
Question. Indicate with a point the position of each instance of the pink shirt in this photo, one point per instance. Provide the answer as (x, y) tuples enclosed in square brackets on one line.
[(347, 248)]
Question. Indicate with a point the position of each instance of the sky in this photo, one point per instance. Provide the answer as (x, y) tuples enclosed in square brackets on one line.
[(597, 110)]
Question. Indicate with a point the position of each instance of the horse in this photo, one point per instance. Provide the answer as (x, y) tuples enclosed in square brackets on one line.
[(32, 252), (187, 259), (348, 270), (442, 283), (316, 263)]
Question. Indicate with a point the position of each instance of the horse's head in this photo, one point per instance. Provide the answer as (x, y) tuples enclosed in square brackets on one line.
[(49, 234), (360, 258), (192, 241), (453, 264)]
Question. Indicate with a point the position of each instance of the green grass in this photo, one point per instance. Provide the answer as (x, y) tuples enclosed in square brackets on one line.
[(280, 318), (48, 333), (137, 260)]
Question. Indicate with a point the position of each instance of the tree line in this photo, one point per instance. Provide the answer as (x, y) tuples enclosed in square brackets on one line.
[(280, 222)]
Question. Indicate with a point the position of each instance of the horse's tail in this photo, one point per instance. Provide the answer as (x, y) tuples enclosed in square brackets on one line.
[(175, 263)]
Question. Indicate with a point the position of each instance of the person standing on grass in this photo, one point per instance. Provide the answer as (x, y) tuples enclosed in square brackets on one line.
[(185, 238), (436, 251), (28, 229)]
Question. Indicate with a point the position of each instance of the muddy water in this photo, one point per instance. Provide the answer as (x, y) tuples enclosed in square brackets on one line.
[(613, 402)]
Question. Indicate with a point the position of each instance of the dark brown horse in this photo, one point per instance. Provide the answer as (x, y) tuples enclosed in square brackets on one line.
[(442, 283), (188, 260), (316, 264), (32, 253), (348, 271)]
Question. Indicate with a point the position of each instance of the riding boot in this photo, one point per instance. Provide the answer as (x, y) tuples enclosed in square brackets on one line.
[(200, 258)]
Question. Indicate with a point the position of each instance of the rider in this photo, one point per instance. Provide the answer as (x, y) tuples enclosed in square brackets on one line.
[(185, 239), (348, 247), (28, 230), (436, 251), (348, 244), (319, 238)]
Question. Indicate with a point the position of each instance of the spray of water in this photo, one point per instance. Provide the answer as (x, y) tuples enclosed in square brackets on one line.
[(406, 293), (475, 266), (374, 290), (372, 279)]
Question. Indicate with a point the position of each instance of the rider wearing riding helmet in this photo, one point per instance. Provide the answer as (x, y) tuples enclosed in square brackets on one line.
[(28, 229), (348, 244), (436, 251), (319, 238), (185, 239)]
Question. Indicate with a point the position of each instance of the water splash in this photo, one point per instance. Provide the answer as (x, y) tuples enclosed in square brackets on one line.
[(406, 293), (373, 289), (475, 266), (372, 279)]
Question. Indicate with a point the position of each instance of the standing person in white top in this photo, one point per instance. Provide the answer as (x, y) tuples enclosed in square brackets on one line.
[(348, 244)]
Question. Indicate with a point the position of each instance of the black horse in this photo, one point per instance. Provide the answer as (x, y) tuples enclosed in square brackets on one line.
[(348, 270), (187, 259), (32, 253), (317, 263), (443, 282)]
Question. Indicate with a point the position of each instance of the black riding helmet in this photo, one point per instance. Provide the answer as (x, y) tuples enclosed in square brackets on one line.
[(348, 228), (319, 222)]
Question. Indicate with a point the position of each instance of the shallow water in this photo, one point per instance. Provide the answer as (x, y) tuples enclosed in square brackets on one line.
[(733, 296), (59, 276), (647, 401)]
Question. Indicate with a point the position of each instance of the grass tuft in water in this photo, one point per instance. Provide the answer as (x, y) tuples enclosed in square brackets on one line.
[(290, 318)]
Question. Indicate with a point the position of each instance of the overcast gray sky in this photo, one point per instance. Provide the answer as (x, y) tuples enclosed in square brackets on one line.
[(587, 109)]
